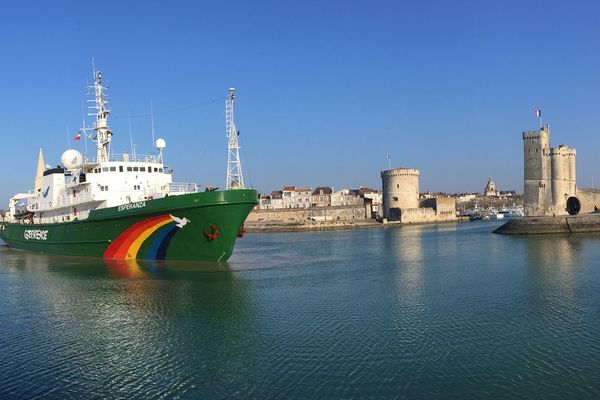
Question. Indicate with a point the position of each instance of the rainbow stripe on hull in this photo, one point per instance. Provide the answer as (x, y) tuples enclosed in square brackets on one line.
[(128, 243)]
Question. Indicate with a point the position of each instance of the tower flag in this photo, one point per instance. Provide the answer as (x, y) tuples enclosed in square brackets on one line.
[(77, 137), (538, 113)]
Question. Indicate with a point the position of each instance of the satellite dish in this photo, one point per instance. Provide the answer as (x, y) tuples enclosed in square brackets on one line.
[(161, 144), (71, 159)]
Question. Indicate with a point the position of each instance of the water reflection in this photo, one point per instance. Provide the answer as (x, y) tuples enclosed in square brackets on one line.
[(120, 327), (562, 251), (554, 260), (404, 245)]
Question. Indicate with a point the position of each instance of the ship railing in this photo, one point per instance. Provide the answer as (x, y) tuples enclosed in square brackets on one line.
[(183, 188), (127, 157), (133, 158), (68, 201)]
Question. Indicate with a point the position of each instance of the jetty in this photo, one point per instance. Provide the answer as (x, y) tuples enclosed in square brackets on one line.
[(560, 224)]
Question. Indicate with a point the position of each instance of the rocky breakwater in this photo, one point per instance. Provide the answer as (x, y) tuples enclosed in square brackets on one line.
[(562, 224)]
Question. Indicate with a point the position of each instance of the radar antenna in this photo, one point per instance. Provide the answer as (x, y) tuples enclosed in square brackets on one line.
[(103, 134), (235, 180)]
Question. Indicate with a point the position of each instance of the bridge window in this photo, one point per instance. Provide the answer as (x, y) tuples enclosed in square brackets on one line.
[(142, 169), (135, 168), (129, 169), (120, 168), (113, 169)]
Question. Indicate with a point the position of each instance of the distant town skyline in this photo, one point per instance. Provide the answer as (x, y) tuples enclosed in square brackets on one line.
[(325, 90)]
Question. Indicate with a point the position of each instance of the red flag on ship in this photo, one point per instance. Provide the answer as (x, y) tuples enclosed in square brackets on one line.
[(78, 136)]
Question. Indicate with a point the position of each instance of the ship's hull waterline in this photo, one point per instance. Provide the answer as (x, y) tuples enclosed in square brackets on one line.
[(196, 227)]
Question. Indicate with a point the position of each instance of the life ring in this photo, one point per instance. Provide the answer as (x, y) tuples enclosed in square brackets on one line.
[(214, 234)]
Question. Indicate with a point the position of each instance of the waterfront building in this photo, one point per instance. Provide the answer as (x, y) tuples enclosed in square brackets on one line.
[(466, 197), (276, 199), (264, 202), (321, 197), (376, 199), (346, 197), (294, 197)]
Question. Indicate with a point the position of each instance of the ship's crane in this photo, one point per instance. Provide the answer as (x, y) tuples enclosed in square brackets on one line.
[(235, 179)]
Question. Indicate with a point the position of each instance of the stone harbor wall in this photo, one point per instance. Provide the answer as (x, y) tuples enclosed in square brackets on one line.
[(559, 224), (424, 215), (291, 215), (417, 215), (589, 199)]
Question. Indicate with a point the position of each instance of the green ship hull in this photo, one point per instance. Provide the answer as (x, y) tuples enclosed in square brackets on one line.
[(195, 227)]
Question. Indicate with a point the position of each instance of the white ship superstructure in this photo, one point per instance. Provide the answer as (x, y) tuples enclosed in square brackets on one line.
[(70, 191)]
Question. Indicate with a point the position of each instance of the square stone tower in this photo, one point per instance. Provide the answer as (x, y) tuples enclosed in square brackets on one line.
[(549, 175)]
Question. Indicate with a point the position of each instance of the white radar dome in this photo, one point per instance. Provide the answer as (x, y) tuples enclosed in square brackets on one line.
[(161, 144), (71, 159)]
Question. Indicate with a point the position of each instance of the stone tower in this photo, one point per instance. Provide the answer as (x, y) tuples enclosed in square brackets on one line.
[(400, 191), (563, 177), (549, 174)]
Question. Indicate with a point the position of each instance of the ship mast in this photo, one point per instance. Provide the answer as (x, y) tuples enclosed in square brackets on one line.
[(235, 180), (103, 134)]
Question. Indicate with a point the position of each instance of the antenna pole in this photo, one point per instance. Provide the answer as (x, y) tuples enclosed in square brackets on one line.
[(152, 121), (100, 105), (130, 135), (235, 179), (84, 128)]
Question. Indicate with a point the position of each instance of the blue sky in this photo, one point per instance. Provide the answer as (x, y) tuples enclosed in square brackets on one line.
[(326, 89)]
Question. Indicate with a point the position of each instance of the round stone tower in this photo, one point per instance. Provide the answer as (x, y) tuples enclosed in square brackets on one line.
[(563, 179), (400, 191)]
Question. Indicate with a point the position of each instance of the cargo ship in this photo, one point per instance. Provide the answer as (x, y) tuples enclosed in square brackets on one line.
[(126, 206)]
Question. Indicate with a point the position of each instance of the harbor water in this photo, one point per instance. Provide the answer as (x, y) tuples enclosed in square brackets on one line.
[(446, 311)]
